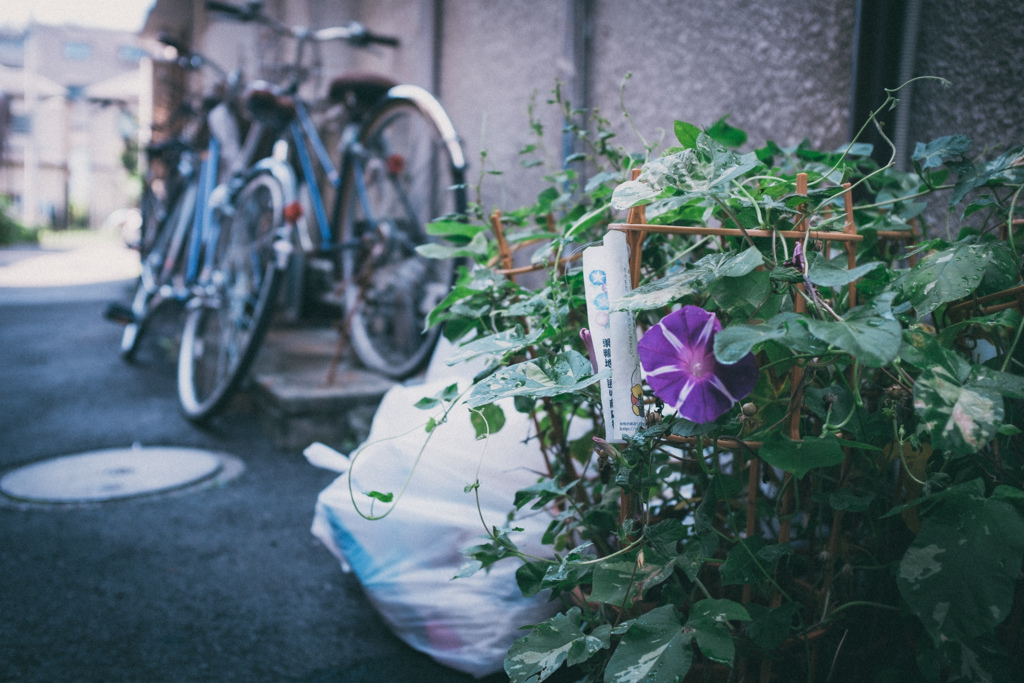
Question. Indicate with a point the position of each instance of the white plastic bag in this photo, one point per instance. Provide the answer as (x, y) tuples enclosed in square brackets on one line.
[(407, 560)]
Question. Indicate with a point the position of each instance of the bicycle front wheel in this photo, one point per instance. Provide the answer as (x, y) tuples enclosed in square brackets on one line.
[(230, 315), (399, 177), (163, 260)]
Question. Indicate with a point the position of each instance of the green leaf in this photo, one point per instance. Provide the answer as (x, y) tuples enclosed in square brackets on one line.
[(529, 577), (742, 297), (962, 416), (959, 574), (751, 560), (631, 193), (687, 134), (974, 487), (694, 278), (587, 220), (454, 231), (486, 420), (946, 275), (770, 628), (622, 581), (449, 393), (1004, 383), (825, 273), (720, 610), (544, 491), (869, 333), (534, 657), (819, 399), (654, 649), (382, 497), (920, 349), (736, 341), (713, 639), (727, 135), (476, 247), (441, 312), (1004, 169), (800, 457), (943, 149), (614, 580), (1000, 321), (498, 344), (985, 202), (566, 372)]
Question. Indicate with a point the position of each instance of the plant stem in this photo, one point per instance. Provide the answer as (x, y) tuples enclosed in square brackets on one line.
[(1009, 220), (1013, 346)]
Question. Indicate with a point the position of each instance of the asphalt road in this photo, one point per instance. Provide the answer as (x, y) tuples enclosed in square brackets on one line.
[(219, 583)]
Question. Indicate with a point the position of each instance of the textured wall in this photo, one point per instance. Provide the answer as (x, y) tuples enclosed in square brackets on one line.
[(979, 48), (781, 69), (497, 54)]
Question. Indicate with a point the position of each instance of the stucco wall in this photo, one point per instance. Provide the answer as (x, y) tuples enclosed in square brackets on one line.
[(979, 48), (782, 70)]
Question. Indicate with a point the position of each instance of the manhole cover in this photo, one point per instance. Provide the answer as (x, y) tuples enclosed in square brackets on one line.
[(110, 474)]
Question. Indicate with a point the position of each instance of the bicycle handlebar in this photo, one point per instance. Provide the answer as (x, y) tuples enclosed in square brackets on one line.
[(354, 33), (190, 59)]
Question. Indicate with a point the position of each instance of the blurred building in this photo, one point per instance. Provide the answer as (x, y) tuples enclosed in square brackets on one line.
[(69, 101)]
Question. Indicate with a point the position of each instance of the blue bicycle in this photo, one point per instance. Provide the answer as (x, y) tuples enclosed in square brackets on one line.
[(175, 236), (400, 166)]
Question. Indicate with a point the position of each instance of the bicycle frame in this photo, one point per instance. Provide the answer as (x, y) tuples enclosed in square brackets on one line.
[(194, 224), (304, 134)]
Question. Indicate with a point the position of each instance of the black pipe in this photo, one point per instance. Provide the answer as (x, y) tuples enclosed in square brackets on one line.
[(877, 56)]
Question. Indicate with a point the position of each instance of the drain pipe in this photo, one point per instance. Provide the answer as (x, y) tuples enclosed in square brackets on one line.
[(576, 59), (435, 10), (908, 57), (881, 55)]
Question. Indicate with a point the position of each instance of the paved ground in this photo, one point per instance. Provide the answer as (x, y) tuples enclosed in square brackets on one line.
[(216, 584)]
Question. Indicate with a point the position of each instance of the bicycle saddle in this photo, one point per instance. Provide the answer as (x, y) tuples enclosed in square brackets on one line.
[(359, 90), (267, 103)]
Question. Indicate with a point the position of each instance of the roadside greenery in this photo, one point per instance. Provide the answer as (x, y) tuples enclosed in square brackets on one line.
[(862, 505), (11, 231)]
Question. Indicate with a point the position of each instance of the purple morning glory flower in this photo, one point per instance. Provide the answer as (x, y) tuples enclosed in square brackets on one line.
[(798, 257), (682, 370), (588, 341)]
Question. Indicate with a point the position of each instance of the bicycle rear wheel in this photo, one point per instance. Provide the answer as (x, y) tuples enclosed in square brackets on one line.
[(399, 177), (229, 317)]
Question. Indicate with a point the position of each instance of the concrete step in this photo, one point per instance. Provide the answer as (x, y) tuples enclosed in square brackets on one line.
[(296, 403)]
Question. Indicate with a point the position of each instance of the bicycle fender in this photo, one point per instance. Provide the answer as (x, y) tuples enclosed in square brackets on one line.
[(284, 174), (429, 105)]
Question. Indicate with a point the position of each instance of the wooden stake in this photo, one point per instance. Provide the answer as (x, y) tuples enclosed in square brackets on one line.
[(851, 249), (504, 253), (635, 239)]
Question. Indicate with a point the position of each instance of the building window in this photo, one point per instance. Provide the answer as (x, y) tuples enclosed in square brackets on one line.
[(130, 53), (12, 51), (21, 123), (77, 51)]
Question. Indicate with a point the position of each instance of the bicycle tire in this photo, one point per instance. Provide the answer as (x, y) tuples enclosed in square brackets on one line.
[(230, 315), (389, 288), (158, 268)]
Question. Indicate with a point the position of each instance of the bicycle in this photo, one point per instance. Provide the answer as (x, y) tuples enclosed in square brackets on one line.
[(176, 228), (401, 166)]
